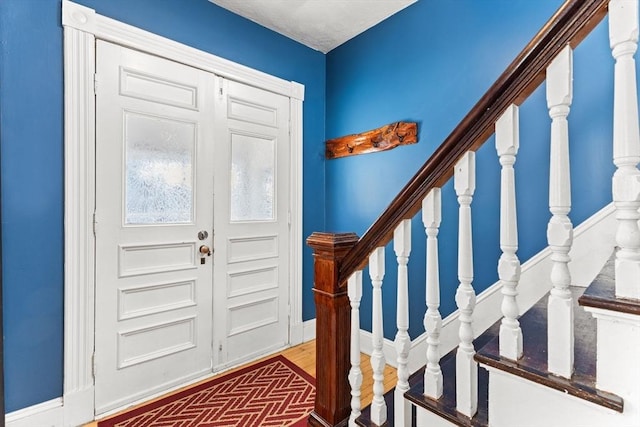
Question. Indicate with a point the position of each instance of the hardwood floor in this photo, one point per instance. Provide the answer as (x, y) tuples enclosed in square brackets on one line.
[(304, 356)]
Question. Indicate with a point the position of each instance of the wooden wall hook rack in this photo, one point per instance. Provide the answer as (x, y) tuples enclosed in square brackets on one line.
[(383, 138)]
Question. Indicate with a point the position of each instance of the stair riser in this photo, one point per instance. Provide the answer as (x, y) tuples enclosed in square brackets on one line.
[(618, 367), (425, 418), (514, 401)]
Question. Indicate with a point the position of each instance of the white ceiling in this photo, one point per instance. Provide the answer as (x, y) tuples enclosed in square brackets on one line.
[(319, 24)]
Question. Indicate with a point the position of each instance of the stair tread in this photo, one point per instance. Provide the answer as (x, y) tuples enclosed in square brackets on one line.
[(446, 405), (602, 293), (533, 364)]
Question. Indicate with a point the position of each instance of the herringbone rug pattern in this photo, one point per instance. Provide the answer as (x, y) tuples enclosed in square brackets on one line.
[(274, 392)]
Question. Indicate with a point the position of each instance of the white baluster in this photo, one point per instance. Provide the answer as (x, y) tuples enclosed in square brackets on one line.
[(354, 290), (466, 367), (623, 35), (507, 143), (376, 272), (431, 216), (402, 248), (560, 229)]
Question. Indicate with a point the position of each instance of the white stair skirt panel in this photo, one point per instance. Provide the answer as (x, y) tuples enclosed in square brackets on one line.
[(308, 330)]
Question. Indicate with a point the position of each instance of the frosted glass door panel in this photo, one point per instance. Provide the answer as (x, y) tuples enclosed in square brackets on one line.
[(159, 170), (252, 178)]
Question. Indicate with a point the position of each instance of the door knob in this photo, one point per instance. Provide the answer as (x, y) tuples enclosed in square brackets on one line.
[(204, 250)]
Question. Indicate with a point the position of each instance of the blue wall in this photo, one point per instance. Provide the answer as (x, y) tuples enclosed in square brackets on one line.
[(31, 133), (431, 63), (32, 197)]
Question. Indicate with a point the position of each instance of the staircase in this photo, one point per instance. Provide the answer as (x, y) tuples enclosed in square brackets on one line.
[(569, 358)]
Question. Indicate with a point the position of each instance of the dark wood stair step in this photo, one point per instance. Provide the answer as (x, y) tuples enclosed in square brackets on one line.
[(533, 364), (445, 407), (602, 293)]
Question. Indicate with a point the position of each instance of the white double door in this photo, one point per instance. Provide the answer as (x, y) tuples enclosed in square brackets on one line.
[(188, 164)]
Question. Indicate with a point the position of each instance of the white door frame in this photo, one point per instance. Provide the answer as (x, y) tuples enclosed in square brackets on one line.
[(82, 26)]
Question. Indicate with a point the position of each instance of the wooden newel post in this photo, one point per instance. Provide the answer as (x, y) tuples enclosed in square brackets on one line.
[(333, 329)]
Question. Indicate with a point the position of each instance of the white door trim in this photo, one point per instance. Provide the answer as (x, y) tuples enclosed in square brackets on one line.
[(82, 26)]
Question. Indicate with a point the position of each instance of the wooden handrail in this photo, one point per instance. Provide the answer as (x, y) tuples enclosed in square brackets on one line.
[(569, 25)]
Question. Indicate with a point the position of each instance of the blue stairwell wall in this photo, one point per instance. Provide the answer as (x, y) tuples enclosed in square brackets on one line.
[(431, 63), (31, 133)]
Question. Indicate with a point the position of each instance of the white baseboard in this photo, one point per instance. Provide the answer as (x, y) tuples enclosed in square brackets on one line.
[(78, 407), (309, 330), (296, 334), (45, 414), (594, 241)]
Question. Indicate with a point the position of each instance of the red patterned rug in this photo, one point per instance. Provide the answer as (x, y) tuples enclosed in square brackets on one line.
[(274, 392)]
